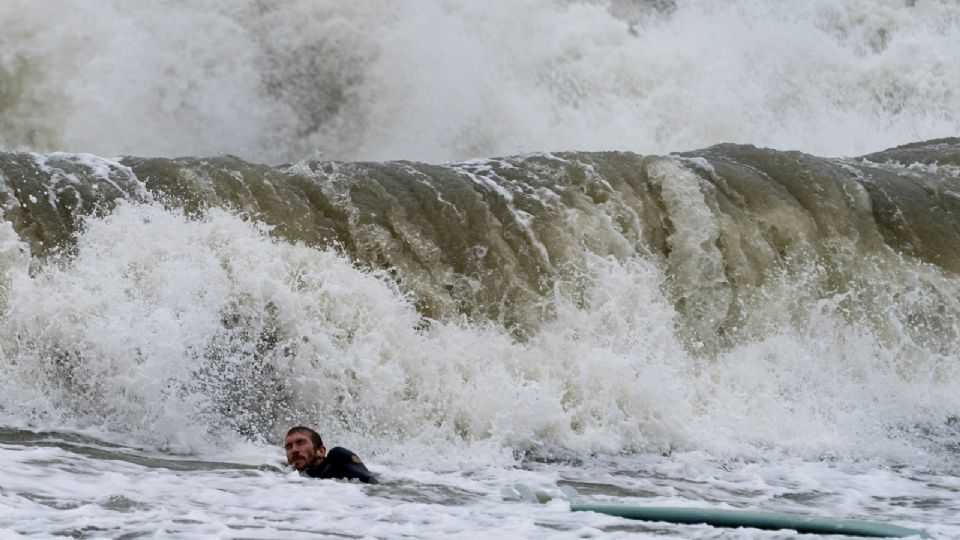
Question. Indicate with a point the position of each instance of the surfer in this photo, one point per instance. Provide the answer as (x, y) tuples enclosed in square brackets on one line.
[(306, 453)]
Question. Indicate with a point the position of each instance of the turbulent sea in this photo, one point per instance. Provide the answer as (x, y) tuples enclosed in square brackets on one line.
[(677, 253)]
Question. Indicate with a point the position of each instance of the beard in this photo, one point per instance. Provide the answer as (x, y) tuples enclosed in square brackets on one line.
[(301, 462)]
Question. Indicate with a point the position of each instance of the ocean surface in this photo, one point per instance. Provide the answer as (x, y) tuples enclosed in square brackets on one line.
[(675, 253)]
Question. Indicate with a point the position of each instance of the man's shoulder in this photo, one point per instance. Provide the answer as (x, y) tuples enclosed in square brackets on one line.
[(344, 463), (339, 453)]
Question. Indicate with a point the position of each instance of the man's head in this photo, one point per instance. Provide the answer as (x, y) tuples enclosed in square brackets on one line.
[(304, 447)]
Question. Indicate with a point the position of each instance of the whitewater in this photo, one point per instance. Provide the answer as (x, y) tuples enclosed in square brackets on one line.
[(676, 253)]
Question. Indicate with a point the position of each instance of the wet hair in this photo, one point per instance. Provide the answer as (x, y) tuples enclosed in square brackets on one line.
[(314, 436)]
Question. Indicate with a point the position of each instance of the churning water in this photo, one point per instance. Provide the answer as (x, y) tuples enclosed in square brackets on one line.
[(585, 287)]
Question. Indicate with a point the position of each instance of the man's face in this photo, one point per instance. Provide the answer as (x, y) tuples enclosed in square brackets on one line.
[(301, 453)]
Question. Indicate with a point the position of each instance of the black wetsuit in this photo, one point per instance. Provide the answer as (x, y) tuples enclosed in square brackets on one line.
[(341, 463)]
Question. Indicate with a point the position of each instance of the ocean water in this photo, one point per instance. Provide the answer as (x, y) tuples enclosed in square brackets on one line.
[(277, 81), (668, 253)]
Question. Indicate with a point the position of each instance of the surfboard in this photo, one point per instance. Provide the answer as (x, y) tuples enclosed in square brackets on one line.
[(754, 520), (721, 517)]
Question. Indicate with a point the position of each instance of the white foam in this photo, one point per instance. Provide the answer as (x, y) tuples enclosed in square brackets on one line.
[(52, 491), (807, 419), (376, 80), (133, 334)]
